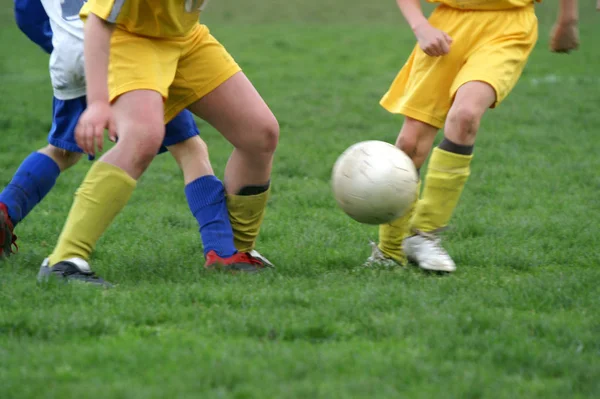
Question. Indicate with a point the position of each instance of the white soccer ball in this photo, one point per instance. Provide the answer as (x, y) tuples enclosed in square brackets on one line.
[(374, 182)]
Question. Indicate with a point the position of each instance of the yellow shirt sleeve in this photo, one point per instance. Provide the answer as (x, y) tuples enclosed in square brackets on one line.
[(107, 10)]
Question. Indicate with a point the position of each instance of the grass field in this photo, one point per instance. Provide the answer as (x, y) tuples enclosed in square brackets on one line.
[(520, 317)]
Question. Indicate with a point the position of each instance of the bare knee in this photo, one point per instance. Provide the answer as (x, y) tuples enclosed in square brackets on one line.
[(265, 137), (63, 158), (416, 139), (142, 140), (462, 123), (408, 144), (269, 133)]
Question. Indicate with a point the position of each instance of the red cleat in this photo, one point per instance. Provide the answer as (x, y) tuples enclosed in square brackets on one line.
[(239, 262), (8, 240)]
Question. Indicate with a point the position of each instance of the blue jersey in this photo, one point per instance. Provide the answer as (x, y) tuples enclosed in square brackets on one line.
[(34, 22)]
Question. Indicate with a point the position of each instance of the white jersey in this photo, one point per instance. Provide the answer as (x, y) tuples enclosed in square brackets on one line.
[(66, 61)]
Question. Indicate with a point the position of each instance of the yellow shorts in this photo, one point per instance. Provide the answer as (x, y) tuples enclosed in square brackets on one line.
[(488, 46), (182, 70)]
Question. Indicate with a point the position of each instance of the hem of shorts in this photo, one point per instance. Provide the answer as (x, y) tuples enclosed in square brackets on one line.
[(132, 86), (198, 94), (415, 114), (190, 133), (486, 80), (66, 95), (64, 145)]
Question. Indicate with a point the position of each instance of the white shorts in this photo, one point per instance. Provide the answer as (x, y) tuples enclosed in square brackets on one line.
[(67, 71)]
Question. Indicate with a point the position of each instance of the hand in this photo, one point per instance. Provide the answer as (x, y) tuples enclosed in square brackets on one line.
[(433, 41), (90, 128), (564, 37)]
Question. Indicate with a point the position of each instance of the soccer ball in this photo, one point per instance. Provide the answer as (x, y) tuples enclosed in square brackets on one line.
[(374, 182)]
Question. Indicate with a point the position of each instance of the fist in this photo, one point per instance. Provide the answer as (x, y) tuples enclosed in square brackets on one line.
[(564, 37), (89, 132), (432, 41)]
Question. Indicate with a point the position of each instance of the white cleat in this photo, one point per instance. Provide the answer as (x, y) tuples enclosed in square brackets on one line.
[(378, 258), (426, 251)]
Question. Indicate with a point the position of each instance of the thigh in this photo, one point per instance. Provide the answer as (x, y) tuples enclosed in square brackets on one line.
[(476, 97), (203, 67), (141, 63), (236, 110)]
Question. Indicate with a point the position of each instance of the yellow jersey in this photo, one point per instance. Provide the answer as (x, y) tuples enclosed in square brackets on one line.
[(489, 5), (153, 18)]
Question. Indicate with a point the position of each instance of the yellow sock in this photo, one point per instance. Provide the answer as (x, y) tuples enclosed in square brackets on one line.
[(392, 234), (246, 213), (103, 193), (446, 177)]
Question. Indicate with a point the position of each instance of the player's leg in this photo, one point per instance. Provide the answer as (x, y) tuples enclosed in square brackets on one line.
[(236, 109), (447, 173), (110, 182), (485, 80), (449, 166), (205, 194), (420, 92), (137, 94), (37, 174), (415, 139), (211, 81)]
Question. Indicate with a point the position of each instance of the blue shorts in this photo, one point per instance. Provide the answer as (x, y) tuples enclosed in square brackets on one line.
[(66, 113)]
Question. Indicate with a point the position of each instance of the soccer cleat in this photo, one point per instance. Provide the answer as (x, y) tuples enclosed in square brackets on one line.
[(8, 240), (378, 258), (73, 269), (426, 251), (238, 262)]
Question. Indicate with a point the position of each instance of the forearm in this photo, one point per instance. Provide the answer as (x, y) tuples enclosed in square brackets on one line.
[(568, 11), (96, 54), (413, 13)]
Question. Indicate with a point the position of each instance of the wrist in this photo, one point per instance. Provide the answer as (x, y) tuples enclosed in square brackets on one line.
[(418, 24), (96, 100), (568, 20)]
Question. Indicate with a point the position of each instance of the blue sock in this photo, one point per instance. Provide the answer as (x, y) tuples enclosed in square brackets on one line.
[(206, 198), (30, 184)]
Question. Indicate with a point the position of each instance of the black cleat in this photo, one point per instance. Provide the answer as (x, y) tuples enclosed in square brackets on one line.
[(74, 269)]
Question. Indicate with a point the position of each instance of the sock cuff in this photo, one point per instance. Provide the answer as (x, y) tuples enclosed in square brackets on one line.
[(449, 162), (239, 201), (447, 158), (451, 146), (37, 160), (103, 169), (254, 189), (107, 182), (205, 190)]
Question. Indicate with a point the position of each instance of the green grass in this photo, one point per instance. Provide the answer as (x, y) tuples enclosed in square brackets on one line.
[(520, 317)]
